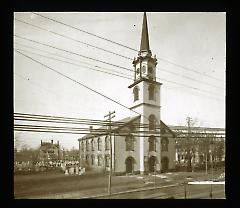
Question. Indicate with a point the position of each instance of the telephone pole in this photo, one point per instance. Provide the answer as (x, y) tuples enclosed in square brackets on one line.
[(207, 151), (110, 116), (188, 142), (212, 149)]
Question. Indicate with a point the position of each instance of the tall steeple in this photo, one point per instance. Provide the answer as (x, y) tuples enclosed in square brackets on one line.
[(145, 92), (144, 38), (145, 63), (145, 72)]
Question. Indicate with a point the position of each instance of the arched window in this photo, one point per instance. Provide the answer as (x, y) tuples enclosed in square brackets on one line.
[(87, 158), (82, 146), (136, 93), (151, 92), (129, 142), (99, 141), (130, 161), (152, 143), (87, 145), (164, 144), (152, 122), (107, 160), (93, 159), (99, 160), (92, 144), (107, 143)]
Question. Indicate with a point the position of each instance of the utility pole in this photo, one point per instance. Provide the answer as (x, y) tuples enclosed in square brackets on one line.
[(207, 151), (155, 167), (185, 189), (211, 147), (224, 149), (110, 116), (206, 161), (79, 158), (188, 145)]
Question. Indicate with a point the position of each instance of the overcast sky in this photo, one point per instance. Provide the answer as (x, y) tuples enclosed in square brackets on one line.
[(196, 41)]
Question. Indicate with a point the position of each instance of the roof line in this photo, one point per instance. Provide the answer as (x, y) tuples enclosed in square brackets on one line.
[(91, 134)]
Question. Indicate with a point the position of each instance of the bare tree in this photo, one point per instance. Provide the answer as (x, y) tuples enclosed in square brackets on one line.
[(17, 142)]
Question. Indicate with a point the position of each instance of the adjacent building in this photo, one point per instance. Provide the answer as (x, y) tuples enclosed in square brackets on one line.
[(202, 142), (49, 151)]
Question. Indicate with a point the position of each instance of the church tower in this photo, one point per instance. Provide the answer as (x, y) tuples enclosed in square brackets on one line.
[(146, 101)]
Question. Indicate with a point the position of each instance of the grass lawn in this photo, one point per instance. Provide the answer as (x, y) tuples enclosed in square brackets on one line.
[(52, 183)]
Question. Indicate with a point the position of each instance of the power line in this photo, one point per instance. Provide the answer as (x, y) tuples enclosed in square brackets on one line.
[(71, 120), (54, 93), (117, 73), (97, 132), (73, 39), (178, 65), (84, 31), (128, 76), (42, 88), (187, 77), (87, 57), (82, 84), (35, 84), (57, 119), (92, 136), (190, 78), (85, 130), (58, 55), (72, 129), (113, 64), (126, 132), (75, 64), (51, 117), (48, 130), (105, 131), (89, 123), (195, 88), (189, 69), (101, 130), (77, 82), (110, 70)]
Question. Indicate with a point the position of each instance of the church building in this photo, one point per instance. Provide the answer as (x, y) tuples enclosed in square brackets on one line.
[(139, 144)]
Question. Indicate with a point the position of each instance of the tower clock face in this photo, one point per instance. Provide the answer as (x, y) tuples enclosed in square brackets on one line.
[(143, 69)]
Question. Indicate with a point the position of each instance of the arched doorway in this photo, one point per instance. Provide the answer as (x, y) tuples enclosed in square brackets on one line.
[(165, 162), (129, 165), (152, 163)]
